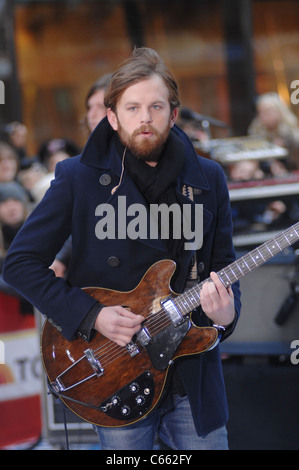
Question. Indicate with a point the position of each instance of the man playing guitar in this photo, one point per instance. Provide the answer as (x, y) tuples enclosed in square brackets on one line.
[(136, 152)]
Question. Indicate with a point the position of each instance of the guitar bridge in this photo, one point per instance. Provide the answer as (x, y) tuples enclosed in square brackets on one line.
[(95, 363), (132, 348)]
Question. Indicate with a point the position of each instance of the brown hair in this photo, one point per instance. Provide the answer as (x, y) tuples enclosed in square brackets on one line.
[(142, 64), (100, 84)]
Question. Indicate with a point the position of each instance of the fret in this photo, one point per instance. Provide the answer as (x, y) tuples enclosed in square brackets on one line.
[(191, 297), (297, 234), (271, 254), (249, 262), (196, 294), (286, 237), (261, 255), (220, 274), (236, 263), (267, 251), (182, 302), (244, 265), (230, 267), (274, 247), (188, 301), (253, 259), (289, 243)]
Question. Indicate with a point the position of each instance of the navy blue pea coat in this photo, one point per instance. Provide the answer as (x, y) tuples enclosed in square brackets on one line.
[(69, 207)]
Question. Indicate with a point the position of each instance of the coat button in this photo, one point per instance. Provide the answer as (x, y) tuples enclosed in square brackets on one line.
[(105, 179), (201, 267), (113, 261), (197, 191)]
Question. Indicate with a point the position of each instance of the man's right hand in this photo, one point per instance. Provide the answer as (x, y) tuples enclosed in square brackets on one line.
[(118, 324)]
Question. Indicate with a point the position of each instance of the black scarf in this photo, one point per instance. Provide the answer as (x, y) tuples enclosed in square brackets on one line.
[(159, 184)]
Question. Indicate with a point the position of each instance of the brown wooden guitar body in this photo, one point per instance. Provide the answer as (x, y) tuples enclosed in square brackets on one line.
[(109, 385)]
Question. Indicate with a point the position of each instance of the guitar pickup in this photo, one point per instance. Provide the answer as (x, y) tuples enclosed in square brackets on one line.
[(175, 317), (144, 337)]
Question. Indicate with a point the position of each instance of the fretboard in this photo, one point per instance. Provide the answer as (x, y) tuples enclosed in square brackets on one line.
[(190, 299)]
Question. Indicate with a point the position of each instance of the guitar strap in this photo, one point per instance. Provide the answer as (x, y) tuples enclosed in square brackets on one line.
[(193, 274)]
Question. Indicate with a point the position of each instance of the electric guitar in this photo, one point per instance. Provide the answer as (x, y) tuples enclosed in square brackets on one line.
[(110, 385)]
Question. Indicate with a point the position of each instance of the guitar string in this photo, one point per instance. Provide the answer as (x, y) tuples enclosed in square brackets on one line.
[(149, 318), (110, 346), (115, 351), (155, 323)]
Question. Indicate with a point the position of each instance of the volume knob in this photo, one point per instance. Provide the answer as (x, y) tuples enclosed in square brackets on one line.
[(134, 387), (140, 399), (125, 410)]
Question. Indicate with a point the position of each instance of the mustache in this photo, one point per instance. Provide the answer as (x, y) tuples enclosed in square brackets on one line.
[(145, 128)]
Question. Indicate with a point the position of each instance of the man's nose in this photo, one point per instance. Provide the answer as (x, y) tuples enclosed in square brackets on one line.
[(146, 116)]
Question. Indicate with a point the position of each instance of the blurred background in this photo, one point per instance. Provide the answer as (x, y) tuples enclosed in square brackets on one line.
[(223, 53), (226, 55)]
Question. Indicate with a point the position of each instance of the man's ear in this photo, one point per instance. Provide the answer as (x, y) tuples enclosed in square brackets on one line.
[(112, 118), (173, 117)]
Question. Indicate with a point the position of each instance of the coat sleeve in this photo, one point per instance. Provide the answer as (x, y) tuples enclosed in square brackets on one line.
[(33, 250)]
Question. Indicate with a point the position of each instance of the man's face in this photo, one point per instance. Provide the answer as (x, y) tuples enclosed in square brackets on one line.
[(143, 118)]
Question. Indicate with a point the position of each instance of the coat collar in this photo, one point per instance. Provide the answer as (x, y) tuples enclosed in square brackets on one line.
[(97, 153)]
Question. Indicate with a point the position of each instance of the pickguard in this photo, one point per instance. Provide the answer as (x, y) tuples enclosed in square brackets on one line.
[(163, 346)]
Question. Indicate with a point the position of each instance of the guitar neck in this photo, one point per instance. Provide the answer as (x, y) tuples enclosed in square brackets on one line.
[(190, 299)]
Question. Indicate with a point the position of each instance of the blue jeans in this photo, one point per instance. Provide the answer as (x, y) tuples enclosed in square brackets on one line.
[(172, 422)]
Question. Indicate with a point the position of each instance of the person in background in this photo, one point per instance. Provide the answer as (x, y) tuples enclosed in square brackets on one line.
[(9, 163), (276, 123), (50, 153), (94, 102), (30, 175), (16, 134), (55, 150), (95, 112), (14, 210)]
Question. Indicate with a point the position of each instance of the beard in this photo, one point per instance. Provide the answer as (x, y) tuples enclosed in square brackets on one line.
[(147, 149)]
